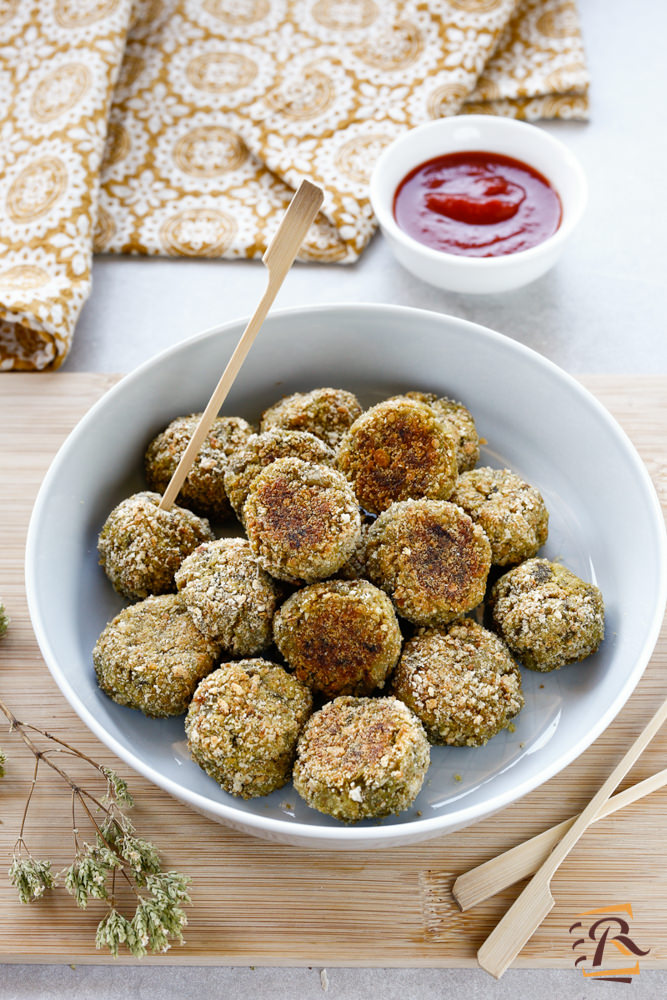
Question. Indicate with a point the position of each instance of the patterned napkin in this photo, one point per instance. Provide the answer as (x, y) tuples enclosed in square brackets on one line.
[(181, 127)]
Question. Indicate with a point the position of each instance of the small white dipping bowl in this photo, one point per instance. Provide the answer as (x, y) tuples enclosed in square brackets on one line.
[(487, 134)]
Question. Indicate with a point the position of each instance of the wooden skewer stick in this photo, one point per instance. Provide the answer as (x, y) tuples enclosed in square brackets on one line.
[(492, 876), (278, 258), (531, 907)]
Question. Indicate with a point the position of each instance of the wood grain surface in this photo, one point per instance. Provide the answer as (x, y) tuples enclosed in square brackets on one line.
[(260, 903)]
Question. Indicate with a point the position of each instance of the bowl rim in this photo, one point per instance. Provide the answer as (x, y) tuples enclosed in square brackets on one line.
[(387, 834), (384, 213)]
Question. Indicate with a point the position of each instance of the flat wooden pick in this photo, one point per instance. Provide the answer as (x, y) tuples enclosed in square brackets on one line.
[(278, 258), (531, 907)]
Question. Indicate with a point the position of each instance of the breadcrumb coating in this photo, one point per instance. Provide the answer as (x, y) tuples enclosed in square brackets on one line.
[(461, 420), (203, 490), (243, 724), (430, 558), (361, 758), (547, 615), (340, 637), (141, 546), (302, 520), (396, 450), (151, 656), (327, 413), (460, 681), (260, 450), (511, 512), (230, 597)]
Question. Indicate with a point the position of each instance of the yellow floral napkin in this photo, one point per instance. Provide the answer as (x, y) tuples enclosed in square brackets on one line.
[(181, 127)]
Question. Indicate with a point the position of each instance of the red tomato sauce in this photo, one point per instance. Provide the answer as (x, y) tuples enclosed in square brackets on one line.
[(477, 205)]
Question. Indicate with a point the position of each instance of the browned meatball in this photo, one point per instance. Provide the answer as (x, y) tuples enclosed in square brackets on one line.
[(460, 681), (302, 520), (547, 615), (203, 490), (142, 546), (462, 422), (151, 656), (230, 597), (361, 758), (397, 450), (260, 450), (430, 558), (326, 413), (511, 512), (340, 637), (243, 724)]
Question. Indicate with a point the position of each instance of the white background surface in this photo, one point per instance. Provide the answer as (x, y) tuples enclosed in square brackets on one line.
[(602, 309)]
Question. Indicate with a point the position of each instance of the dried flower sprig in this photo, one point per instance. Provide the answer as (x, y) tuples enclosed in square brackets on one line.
[(4, 619), (115, 852)]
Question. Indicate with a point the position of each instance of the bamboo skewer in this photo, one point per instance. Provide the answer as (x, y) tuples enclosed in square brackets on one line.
[(531, 907), (484, 881), (278, 258)]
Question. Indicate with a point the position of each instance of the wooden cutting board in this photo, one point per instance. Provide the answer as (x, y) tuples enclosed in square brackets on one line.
[(260, 903)]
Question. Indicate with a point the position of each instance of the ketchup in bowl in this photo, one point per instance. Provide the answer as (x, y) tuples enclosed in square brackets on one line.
[(477, 204)]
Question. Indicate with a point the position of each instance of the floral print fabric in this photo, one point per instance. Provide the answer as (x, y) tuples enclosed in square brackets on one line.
[(181, 127)]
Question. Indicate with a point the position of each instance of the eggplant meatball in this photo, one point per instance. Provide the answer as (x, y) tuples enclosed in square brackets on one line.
[(361, 758), (547, 615), (230, 597), (151, 656), (243, 724), (203, 490), (260, 450), (326, 413), (142, 546), (397, 450), (302, 520), (463, 425), (460, 681), (340, 637), (430, 558), (511, 512)]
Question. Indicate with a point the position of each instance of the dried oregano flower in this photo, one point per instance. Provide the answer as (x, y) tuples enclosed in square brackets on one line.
[(3, 761), (4, 619), (113, 930), (117, 852), (32, 878), (116, 788)]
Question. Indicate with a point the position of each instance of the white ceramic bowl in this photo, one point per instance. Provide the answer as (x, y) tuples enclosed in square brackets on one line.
[(481, 133), (605, 524)]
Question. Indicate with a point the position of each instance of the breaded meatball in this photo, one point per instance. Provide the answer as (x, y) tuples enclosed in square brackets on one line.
[(302, 520), (326, 413), (340, 637), (462, 422), (230, 597), (203, 490), (361, 758), (260, 450), (152, 657), (397, 450), (460, 681), (546, 614), (141, 546), (243, 724), (430, 558), (511, 512)]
